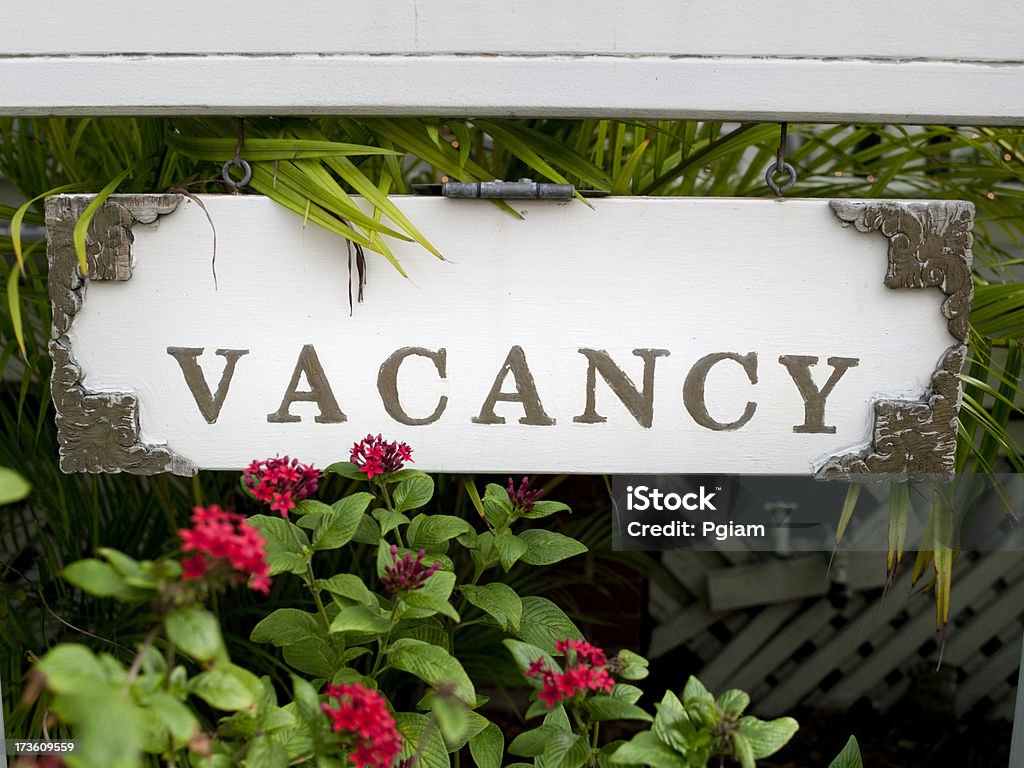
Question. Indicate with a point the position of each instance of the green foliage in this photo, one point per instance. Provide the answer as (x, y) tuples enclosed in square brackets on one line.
[(387, 620), (13, 487), (315, 167), (849, 757), (692, 731)]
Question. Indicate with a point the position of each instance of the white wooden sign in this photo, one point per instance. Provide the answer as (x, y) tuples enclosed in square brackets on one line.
[(643, 335), (915, 61)]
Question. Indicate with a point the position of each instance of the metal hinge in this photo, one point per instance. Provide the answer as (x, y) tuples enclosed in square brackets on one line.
[(524, 189)]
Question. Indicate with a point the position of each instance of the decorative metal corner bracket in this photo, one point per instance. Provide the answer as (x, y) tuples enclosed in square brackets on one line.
[(929, 247), (98, 431)]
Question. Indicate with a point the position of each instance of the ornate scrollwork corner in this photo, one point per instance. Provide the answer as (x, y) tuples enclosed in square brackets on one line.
[(912, 439), (98, 431), (929, 247)]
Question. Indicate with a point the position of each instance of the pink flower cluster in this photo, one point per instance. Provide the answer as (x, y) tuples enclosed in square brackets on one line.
[(376, 456), (281, 483), (523, 498), (225, 546), (584, 670), (364, 715), (407, 573)]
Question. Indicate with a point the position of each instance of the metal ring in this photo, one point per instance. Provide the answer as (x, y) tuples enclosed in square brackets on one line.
[(769, 177), (236, 162)]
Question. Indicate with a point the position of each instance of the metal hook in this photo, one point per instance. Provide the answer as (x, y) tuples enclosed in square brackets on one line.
[(780, 166), (237, 162), (225, 173)]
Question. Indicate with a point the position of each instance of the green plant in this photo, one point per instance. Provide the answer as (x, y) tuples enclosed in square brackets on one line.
[(698, 728), (371, 656), (387, 619), (67, 515)]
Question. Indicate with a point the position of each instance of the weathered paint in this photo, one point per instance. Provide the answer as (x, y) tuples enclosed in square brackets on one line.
[(650, 335)]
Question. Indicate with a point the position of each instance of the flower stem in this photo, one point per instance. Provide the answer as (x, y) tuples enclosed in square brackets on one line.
[(310, 578), (136, 666)]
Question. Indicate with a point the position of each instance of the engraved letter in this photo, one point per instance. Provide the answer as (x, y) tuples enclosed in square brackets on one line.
[(209, 404), (319, 392), (696, 379), (387, 384), (526, 393), (640, 405), (799, 367)]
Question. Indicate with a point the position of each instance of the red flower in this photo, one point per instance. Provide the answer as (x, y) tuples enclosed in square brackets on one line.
[(225, 546), (375, 456), (363, 714), (407, 573), (584, 670), (523, 498), (281, 482)]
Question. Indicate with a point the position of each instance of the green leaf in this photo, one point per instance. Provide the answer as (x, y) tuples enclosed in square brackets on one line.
[(314, 656), (136, 574), (849, 757), (72, 667), (14, 309), (546, 508), (389, 520), (497, 600), (743, 751), (305, 697), (432, 597), (452, 717), (429, 630), (108, 727), (734, 702), (611, 708), (286, 626), (695, 691), (526, 653), (671, 724), (413, 492), (196, 632), (432, 665), (647, 749), (349, 586), (338, 524), (262, 149), (509, 547), (102, 580), (626, 692), (422, 739), (531, 743), (13, 487), (544, 622), (544, 547), (264, 753), (620, 184), (767, 738), (81, 229), (430, 530), (566, 750), (368, 531), (285, 544), (361, 619), (346, 469), (176, 718), (632, 666), (488, 747), (496, 506), (226, 687), (307, 512)]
